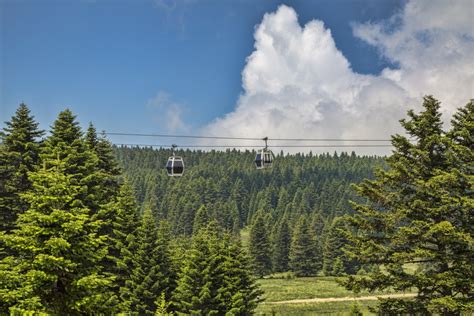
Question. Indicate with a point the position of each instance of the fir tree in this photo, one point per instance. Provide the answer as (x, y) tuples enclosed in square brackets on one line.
[(197, 287), (260, 246), (302, 252), (281, 249), (149, 277), (333, 250), (215, 278), (420, 211), (122, 235), (201, 219), (107, 164), (59, 252), (19, 154), (66, 143)]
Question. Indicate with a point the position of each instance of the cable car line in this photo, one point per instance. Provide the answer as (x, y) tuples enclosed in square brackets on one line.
[(256, 146), (263, 159), (249, 138)]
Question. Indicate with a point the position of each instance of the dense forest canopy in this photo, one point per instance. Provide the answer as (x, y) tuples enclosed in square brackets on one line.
[(227, 184)]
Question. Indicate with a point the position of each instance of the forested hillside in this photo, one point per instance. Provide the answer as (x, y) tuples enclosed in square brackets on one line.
[(231, 191), (228, 185)]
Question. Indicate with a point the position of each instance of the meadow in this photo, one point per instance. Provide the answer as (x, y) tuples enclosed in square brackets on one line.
[(283, 287)]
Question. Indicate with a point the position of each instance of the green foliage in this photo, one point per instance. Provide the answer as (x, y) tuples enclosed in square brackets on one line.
[(259, 246), (420, 211), (57, 268), (215, 277), (303, 256), (19, 154), (355, 309), (125, 222), (150, 268), (335, 260), (281, 248)]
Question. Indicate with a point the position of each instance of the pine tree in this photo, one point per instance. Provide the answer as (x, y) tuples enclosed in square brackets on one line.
[(107, 164), (281, 249), (197, 285), (419, 211), (303, 251), (215, 278), (122, 235), (66, 143), (149, 277), (260, 246), (57, 266), (240, 293), (201, 219), (333, 250), (19, 154)]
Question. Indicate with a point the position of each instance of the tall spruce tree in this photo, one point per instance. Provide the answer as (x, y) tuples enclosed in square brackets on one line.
[(121, 237), (19, 154), (215, 278), (150, 276), (198, 281), (335, 261), (57, 269), (419, 211), (107, 165), (259, 245), (67, 144), (303, 250), (281, 247)]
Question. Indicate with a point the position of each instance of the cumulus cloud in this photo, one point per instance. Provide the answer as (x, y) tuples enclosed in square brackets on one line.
[(167, 112), (298, 84)]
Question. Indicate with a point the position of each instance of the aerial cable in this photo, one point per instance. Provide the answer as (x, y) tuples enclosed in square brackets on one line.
[(255, 146), (248, 138)]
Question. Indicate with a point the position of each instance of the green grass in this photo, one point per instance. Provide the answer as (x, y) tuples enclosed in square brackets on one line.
[(279, 289), (333, 308)]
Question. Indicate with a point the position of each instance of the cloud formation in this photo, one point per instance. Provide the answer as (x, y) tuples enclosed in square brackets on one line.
[(298, 84), (167, 112)]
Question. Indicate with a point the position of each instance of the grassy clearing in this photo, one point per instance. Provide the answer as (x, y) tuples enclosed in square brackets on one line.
[(279, 289), (333, 308)]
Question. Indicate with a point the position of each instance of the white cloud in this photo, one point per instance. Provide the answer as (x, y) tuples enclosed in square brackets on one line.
[(434, 46), (298, 84), (167, 112)]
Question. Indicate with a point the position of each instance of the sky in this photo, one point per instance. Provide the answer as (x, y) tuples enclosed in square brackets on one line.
[(282, 69)]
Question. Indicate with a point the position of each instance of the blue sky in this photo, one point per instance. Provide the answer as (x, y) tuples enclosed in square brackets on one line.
[(125, 65), (105, 59)]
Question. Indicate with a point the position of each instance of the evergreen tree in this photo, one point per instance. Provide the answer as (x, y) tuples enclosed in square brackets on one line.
[(19, 154), (66, 143), (260, 246), (149, 277), (58, 249), (281, 249), (107, 164), (239, 294), (201, 219), (215, 277), (122, 235), (419, 211), (302, 252), (198, 282), (333, 250)]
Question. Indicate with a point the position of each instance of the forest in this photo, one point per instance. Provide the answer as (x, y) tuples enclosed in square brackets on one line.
[(88, 227)]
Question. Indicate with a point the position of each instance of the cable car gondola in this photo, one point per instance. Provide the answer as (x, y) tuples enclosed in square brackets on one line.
[(264, 157), (175, 165)]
